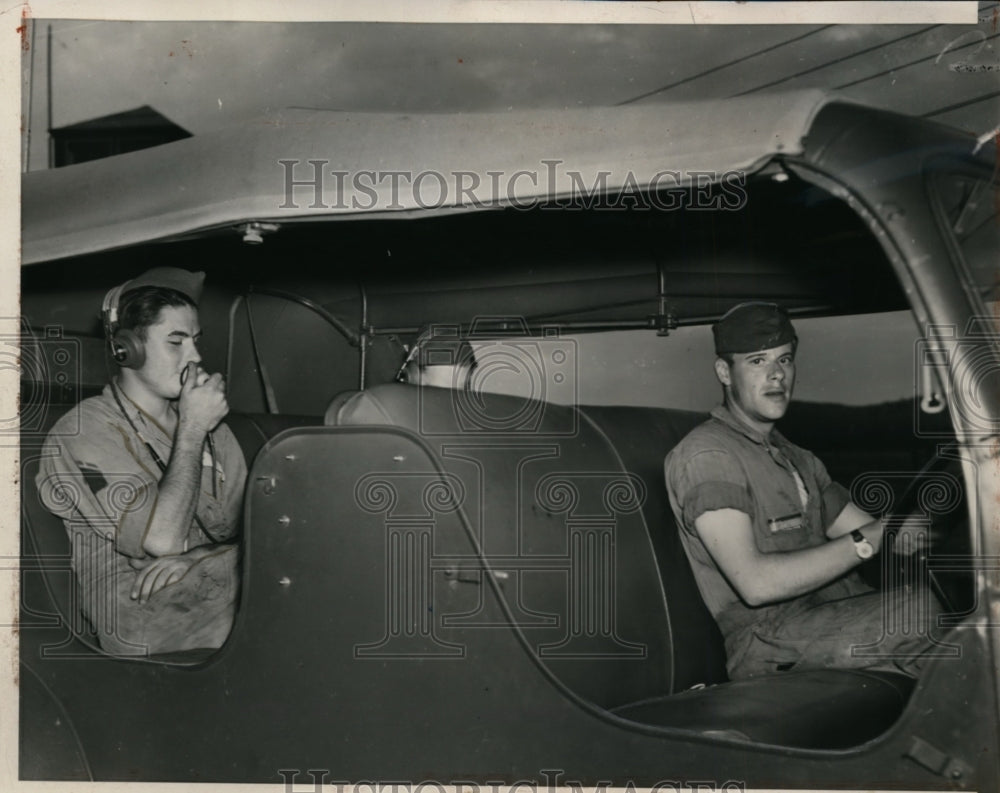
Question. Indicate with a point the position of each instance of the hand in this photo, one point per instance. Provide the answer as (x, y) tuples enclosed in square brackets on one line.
[(202, 404), (159, 573)]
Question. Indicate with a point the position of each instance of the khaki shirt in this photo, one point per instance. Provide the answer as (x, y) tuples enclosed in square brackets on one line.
[(98, 476), (723, 464)]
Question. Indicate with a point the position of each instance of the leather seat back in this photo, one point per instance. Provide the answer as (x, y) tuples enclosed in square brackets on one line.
[(565, 516), (643, 436)]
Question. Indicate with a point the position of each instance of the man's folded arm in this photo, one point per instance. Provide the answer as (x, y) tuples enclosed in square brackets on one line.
[(177, 498), (851, 517), (762, 578)]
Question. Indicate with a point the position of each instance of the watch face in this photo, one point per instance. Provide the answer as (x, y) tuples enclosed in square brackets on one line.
[(864, 549)]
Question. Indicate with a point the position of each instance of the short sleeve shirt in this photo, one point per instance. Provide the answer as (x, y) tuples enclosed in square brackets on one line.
[(97, 474), (785, 490)]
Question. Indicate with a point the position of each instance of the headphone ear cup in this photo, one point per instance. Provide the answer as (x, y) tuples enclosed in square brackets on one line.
[(128, 349)]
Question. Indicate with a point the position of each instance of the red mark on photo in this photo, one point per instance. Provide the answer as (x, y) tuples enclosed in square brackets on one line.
[(22, 29)]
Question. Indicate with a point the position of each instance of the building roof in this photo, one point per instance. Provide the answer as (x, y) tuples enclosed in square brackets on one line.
[(143, 117)]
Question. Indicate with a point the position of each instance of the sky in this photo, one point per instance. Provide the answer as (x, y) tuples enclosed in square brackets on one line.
[(206, 75)]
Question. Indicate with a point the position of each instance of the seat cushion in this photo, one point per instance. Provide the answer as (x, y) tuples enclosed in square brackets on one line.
[(814, 709), (332, 416)]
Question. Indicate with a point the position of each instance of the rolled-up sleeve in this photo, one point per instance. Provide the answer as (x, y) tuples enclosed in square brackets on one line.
[(105, 493), (709, 480)]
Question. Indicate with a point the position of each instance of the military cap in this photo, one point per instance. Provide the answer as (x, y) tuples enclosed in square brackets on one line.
[(751, 327), (183, 281)]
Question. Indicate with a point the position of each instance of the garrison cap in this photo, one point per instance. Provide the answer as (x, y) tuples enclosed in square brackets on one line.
[(183, 281), (751, 327)]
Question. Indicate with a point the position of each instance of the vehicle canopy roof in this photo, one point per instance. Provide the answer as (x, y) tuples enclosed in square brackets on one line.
[(262, 171)]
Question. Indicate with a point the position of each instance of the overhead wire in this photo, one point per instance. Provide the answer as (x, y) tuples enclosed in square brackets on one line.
[(835, 61), (721, 66), (960, 105), (908, 64), (812, 69)]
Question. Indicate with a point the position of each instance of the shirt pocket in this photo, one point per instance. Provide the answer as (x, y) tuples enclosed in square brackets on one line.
[(783, 529)]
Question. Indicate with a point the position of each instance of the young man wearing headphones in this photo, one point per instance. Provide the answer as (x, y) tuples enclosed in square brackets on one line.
[(151, 487)]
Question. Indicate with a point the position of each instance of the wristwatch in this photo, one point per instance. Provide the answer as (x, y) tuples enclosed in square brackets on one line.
[(863, 548)]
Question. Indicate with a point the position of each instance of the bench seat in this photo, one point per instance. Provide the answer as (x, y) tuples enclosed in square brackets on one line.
[(680, 680)]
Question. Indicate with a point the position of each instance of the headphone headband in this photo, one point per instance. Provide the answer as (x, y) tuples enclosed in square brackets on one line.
[(126, 347), (109, 308)]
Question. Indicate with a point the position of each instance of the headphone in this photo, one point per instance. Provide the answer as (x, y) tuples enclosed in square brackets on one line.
[(424, 334), (126, 345), (401, 375), (426, 337)]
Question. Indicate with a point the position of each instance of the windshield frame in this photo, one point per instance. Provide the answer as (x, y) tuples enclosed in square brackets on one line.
[(947, 167)]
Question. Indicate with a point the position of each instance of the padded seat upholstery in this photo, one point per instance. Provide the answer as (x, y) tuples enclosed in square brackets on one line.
[(550, 505), (816, 709), (642, 437), (656, 604), (332, 416)]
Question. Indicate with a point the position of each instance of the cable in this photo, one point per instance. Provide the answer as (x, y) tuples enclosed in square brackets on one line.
[(721, 66), (907, 65), (960, 105), (835, 61), (265, 382), (159, 460), (211, 453)]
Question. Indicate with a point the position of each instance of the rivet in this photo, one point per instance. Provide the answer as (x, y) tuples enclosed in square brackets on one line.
[(289, 456), (284, 580), (398, 458), (284, 520)]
